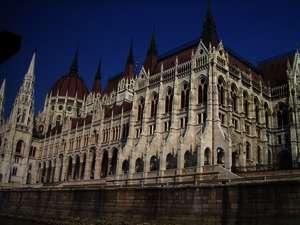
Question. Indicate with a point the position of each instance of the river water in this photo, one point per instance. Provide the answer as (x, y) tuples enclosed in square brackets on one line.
[(15, 221)]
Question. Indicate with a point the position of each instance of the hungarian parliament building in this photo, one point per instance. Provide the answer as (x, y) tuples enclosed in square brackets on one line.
[(198, 109)]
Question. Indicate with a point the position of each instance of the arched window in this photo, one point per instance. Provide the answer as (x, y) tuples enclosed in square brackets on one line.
[(221, 91), (246, 104), (279, 119), (114, 161), (20, 147), (220, 156), (104, 164), (93, 163), (141, 106), (139, 165), (58, 120), (70, 165), (269, 157), (258, 155), (248, 151), (200, 94), (169, 101), (154, 163), (154, 102), (266, 107), (234, 98), (207, 156), (171, 162), (185, 96), (77, 168), (256, 105), (125, 166), (190, 159)]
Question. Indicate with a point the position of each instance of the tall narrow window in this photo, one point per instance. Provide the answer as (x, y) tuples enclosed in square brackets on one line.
[(141, 108), (185, 95), (154, 102), (256, 105), (246, 104), (234, 98), (221, 91)]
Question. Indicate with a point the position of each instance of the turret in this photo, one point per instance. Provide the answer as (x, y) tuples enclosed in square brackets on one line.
[(23, 108)]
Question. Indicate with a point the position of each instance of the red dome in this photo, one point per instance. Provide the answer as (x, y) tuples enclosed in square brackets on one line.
[(70, 85)]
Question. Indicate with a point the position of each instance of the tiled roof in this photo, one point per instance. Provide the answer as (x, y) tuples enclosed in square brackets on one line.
[(274, 70)]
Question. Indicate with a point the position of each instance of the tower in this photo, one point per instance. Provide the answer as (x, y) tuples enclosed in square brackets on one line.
[(19, 137)]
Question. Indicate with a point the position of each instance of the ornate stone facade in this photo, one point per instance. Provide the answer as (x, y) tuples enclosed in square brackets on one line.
[(195, 109)]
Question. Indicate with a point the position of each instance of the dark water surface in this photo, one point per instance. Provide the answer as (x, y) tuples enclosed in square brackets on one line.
[(16, 221)]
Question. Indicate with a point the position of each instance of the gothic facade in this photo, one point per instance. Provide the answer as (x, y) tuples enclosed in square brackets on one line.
[(199, 108)]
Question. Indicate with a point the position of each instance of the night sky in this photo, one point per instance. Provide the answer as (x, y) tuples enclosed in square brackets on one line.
[(256, 29)]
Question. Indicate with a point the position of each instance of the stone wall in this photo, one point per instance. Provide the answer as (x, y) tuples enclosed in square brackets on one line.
[(239, 204)]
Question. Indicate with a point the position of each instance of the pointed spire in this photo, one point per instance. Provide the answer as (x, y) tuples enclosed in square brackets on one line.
[(209, 32), (31, 67), (129, 68), (130, 59), (97, 81), (152, 48), (98, 71), (152, 55), (2, 97), (74, 65)]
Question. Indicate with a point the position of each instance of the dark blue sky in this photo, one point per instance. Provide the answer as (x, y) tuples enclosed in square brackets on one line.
[(255, 29)]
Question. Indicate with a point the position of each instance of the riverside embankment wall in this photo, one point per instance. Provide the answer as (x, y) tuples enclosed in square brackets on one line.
[(238, 204)]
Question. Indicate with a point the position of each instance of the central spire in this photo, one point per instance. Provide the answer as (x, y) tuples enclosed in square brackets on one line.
[(209, 32), (74, 65)]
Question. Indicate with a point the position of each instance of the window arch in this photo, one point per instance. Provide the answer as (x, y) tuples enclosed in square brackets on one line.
[(171, 162), (221, 91), (169, 101), (154, 163), (279, 119), (185, 96), (269, 157), (20, 146), (246, 104), (189, 159), (207, 156), (125, 166), (139, 165), (220, 156)]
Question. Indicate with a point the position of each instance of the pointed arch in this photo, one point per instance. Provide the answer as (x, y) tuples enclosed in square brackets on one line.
[(104, 164)]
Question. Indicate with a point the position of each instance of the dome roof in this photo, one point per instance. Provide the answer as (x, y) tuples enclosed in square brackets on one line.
[(69, 85)]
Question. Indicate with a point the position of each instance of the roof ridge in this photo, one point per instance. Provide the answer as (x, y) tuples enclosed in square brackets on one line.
[(280, 56), (178, 49)]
